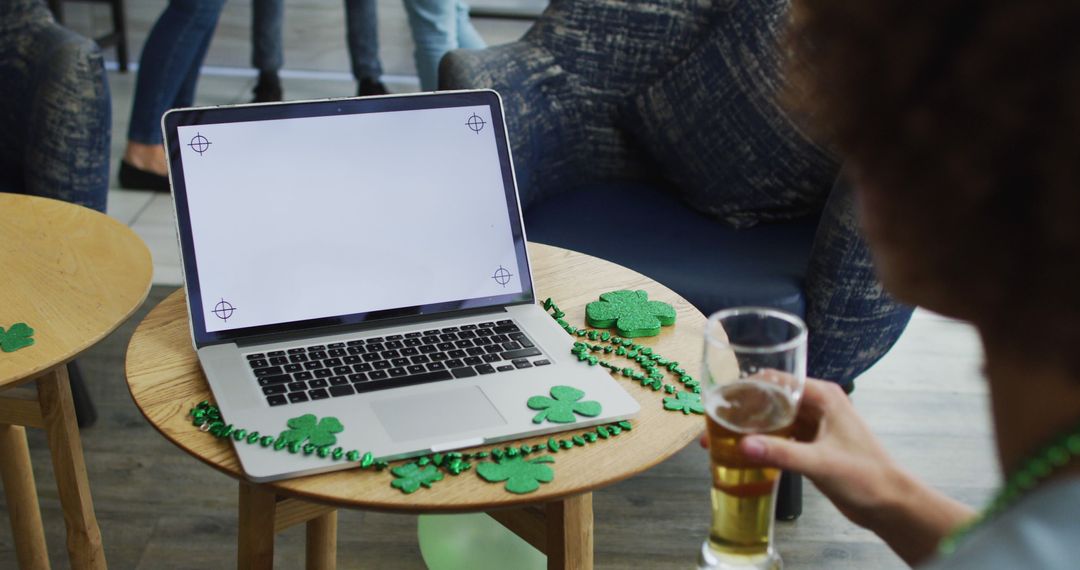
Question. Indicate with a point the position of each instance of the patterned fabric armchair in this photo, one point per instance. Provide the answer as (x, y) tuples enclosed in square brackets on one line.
[(55, 116), (638, 130)]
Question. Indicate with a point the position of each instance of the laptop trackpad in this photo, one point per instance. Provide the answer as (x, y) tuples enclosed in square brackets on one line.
[(437, 415)]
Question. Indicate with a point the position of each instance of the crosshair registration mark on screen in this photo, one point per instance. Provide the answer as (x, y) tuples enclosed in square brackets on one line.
[(475, 123), (223, 310), (199, 143), (502, 276)]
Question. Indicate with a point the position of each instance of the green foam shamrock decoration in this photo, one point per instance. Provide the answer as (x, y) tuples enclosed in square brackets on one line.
[(317, 434), (16, 337), (411, 476), (631, 312), (562, 406), (685, 402), (521, 475)]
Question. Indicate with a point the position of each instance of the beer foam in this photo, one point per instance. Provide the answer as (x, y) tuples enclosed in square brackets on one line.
[(749, 406)]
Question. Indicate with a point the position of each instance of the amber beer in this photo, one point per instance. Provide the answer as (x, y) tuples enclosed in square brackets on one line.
[(743, 495)]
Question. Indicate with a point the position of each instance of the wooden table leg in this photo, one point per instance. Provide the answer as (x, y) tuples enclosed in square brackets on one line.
[(322, 542), (83, 535), (570, 533), (22, 503), (255, 548)]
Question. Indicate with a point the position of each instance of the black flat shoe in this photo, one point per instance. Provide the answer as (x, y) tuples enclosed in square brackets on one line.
[(134, 178), (268, 89), (369, 86)]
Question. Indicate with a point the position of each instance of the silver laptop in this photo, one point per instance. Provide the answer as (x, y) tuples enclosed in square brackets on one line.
[(365, 259)]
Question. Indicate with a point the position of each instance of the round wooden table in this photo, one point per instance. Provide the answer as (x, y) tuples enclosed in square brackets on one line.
[(73, 275), (166, 381)]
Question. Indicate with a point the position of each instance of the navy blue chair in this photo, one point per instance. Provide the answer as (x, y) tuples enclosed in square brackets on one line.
[(55, 122)]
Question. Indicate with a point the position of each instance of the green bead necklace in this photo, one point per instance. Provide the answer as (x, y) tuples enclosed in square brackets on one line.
[(651, 363), (207, 417), (1032, 472)]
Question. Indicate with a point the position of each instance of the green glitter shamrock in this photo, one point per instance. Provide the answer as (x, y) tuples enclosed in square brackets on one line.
[(16, 337), (685, 402), (410, 477), (562, 408), (305, 428), (521, 475), (631, 312)]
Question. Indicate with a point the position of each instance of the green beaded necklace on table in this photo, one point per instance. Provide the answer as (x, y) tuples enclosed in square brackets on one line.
[(207, 417), (426, 470), (1036, 469)]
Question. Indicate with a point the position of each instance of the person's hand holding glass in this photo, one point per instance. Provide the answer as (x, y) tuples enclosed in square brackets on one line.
[(755, 370)]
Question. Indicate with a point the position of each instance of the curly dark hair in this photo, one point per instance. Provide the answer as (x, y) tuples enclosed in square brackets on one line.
[(964, 118)]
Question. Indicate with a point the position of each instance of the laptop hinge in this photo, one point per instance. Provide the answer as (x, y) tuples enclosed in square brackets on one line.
[(356, 328)]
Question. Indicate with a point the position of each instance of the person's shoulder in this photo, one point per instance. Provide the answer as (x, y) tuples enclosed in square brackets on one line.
[(1038, 532)]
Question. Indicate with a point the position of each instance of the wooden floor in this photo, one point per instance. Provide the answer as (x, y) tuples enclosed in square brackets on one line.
[(160, 509)]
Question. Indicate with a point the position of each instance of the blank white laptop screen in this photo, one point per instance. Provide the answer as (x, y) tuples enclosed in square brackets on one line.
[(297, 219)]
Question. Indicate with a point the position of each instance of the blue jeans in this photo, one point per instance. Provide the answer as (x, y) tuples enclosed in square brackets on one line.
[(169, 65), (361, 27), (439, 26)]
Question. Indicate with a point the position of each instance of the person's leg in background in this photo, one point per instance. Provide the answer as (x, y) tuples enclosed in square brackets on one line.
[(168, 71), (467, 36), (362, 34), (438, 26), (266, 54), (185, 95)]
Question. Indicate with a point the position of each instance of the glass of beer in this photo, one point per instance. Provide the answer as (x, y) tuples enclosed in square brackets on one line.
[(754, 373)]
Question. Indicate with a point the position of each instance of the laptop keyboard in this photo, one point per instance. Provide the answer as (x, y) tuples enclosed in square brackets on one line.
[(318, 372)]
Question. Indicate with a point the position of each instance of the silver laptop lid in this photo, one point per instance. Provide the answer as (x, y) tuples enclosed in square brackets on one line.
[(305, 215)]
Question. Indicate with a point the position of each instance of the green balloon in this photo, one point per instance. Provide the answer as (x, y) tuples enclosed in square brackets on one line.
[(474, 542)]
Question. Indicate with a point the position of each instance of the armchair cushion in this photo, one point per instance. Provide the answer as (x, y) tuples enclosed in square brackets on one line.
[(652, 232), (714, 125)]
